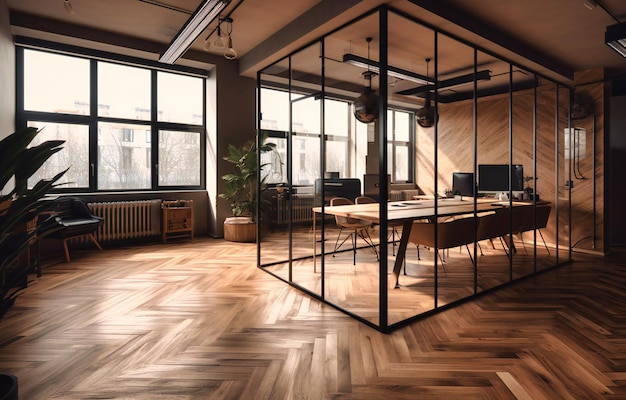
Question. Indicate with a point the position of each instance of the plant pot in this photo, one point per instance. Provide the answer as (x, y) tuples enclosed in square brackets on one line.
[(8, 387), (240, 229)]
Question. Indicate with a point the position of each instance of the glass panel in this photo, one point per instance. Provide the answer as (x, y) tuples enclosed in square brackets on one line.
[(179, 98), (75, 154), (352, 271), (452, 259), (566, 178), (274, 109), (581, 139), (123, 92), (493, 265), (410, 44), (55, 83), (179, 158), (521, 241), (275, 240), (306, 167), (123, 159), (544, 189)]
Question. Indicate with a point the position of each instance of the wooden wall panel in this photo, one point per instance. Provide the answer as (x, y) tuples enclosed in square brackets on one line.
[(456, 144)]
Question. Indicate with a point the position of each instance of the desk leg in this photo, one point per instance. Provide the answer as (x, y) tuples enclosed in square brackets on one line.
[(404, 240), (314, 245)]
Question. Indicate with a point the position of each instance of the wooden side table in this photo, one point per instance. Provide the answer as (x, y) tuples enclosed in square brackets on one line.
[(177, 219)]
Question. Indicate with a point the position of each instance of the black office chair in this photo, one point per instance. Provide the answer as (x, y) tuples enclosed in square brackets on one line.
[(76, 220), (358, 227)]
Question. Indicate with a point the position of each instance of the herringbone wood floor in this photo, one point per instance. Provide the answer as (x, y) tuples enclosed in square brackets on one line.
[(199, 321)]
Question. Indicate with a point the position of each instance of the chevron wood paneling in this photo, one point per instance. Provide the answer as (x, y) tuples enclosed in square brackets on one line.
[(198, 320), (455, 144)]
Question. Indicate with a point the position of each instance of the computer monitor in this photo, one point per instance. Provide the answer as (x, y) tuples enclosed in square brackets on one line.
[(494, 178), (348, 188), (463, 183)]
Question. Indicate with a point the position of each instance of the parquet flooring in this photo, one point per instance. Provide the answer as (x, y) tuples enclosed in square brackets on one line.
[(198, 320)]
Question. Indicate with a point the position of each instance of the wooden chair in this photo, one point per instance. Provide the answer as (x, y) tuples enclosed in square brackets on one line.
[(393, 231), (357, 227)]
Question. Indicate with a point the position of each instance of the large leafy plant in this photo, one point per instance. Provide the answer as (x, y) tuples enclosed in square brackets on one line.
[(21, 205), (240, 185)]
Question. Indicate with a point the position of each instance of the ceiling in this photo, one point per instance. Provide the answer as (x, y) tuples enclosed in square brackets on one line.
[(555, 38)]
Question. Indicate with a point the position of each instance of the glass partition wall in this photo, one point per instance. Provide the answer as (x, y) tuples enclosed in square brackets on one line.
[(414, 170)]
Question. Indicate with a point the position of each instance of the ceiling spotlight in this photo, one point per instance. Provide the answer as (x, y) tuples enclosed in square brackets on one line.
[(615, 37), (68, 6), (590, 4)]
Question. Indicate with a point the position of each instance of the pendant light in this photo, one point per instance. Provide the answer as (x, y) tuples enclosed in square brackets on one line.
[(366, 105), (230, 53)]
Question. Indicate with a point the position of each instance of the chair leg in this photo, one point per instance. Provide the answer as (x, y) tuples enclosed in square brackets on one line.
[(544, 241), (469, 253), (363, 232), (337, 241), (93, 239), (67, 251)]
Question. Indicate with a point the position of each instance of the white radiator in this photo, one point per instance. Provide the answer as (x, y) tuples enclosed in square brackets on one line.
[(127, 219), (301, 206)]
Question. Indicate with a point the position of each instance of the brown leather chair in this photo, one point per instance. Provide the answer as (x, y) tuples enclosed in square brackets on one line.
[(450, 233), (492, 225), (357, 227)]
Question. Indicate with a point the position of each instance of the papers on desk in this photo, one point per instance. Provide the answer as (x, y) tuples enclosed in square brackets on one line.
[(404, 205)]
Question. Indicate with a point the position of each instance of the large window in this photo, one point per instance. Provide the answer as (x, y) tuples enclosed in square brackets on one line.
[(125, 127), (339, 132)]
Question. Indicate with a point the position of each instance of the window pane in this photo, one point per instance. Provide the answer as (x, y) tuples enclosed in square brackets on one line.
[(55, 83), (336, 117), (337, 158), (306, 116), (179, 98), (123, 92), (306, 160), (75, 154), (402, 164), (275, 110), (402, 126), (275, 163), (179, 158), (122, 156)]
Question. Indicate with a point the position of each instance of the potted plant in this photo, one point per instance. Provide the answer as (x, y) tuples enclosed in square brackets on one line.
[(240, 187), (19, 208)]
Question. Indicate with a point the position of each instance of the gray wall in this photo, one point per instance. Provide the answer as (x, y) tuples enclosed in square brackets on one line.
[(7, 73)]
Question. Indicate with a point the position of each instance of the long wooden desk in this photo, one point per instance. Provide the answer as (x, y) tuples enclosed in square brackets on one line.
[(405, 213)]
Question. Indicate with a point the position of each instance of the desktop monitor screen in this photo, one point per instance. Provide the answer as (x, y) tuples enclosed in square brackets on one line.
[(463, 183), (494, 178)]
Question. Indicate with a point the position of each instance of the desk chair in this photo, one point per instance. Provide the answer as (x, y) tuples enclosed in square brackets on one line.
[(451, 233), (394, 226), (355, 225)]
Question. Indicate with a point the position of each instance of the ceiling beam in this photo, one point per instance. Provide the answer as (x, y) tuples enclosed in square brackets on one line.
[(495, 35), (321, 13)]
